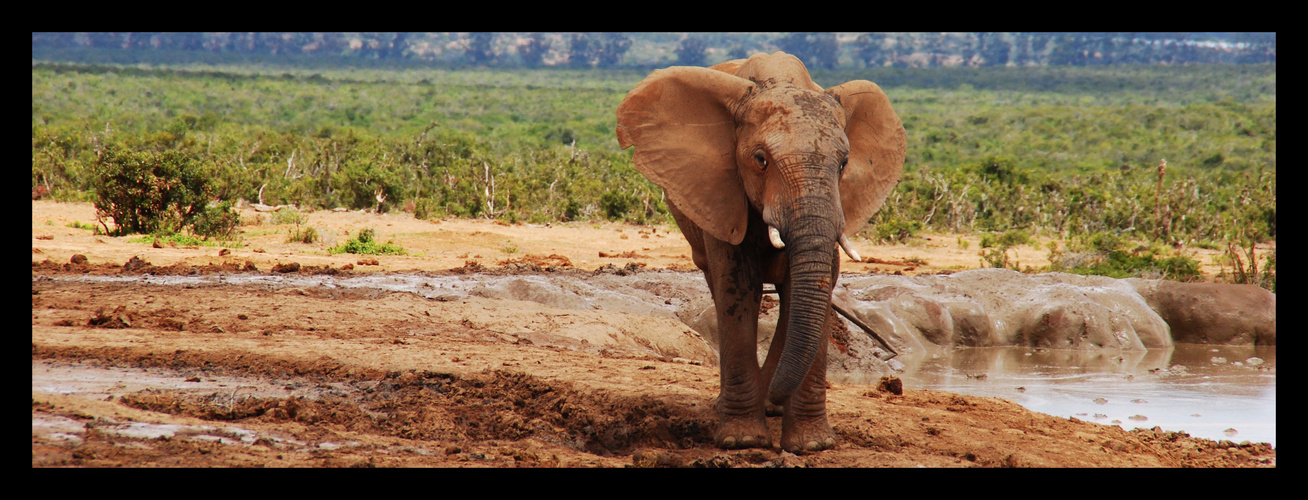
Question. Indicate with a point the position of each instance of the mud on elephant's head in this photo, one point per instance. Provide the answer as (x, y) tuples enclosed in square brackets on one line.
[(759, 132)]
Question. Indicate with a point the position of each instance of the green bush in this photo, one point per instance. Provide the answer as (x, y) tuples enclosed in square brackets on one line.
[(1106, 254), (366, 243), (288, 215), (998, 256), (157, 192), (616, 204), (897, 230), (426, 208), (307, 235), (218, 220)]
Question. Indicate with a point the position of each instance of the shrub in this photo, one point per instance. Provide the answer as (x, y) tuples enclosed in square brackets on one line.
[(426, 208), (218, 220), (617, 203), (897, 229), (153, 192), (288, 215), (307, 235), (366, 243), (998, 256), (1105, 254)]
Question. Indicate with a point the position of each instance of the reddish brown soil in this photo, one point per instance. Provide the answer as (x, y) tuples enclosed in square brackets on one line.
[(394, 379)]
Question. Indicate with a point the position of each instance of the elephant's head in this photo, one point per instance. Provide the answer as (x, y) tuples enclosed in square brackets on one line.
[(758, 133)]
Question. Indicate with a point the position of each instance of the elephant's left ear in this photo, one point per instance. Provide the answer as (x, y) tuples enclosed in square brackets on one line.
[(877, 145)]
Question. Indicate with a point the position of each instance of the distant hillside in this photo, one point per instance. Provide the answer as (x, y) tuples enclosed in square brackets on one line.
[(644, 50)]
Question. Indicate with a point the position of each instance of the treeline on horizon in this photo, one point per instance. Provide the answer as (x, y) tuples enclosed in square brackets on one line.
[(1081, 161), (582, 50)]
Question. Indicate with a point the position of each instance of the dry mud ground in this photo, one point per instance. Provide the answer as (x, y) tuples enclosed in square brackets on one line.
[(127, 373)]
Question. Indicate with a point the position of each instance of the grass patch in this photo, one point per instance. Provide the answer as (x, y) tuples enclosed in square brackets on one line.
[(307, 235), (81, 225), (366, 243), (182, 239)]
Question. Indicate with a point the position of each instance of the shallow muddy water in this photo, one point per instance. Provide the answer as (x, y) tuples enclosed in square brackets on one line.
[(1214, 392)]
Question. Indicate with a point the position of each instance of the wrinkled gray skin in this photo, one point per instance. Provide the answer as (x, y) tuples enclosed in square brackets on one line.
[(743, 149)]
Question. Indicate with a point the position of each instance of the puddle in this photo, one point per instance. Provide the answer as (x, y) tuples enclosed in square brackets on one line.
[(109, 383), (74, 431), (1182, 389), (100, 383)]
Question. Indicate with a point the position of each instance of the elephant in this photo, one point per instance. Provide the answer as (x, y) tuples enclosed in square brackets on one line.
[(766, 173)]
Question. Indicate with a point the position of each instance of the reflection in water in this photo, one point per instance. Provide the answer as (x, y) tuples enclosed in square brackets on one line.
[(1214, 392)]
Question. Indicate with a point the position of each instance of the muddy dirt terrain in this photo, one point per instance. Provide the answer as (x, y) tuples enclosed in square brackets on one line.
[(224, 365)]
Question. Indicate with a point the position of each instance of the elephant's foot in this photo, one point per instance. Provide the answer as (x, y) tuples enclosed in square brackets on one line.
[(804, 426), (741, 428), (799, 435), (742, 432)]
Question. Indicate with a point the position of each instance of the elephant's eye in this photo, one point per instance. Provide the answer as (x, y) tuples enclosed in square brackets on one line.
[(843, 164), (761, 159)]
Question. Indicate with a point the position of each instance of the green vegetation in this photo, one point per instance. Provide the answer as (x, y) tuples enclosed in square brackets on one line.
[(997, 255), (158, 192), (289, 215), (1106, 254), (366, 243), (1065, 152), (80, 225), (307, 235), (180, 239)]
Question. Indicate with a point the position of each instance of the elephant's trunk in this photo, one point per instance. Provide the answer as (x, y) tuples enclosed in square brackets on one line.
[(811, 244)]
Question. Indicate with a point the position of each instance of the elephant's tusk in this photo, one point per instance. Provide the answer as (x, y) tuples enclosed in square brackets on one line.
[(775, 237), (849, 249)]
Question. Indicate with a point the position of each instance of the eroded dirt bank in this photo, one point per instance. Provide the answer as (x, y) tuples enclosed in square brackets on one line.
[(392, 379)]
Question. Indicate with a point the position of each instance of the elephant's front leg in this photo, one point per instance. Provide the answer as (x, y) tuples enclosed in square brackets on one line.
[(804, 425), (737, 288)]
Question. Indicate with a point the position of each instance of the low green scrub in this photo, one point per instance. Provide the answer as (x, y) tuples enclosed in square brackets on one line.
[(366, 243), (177, 239), (308, 235), (287, 215), (1106, 254), (89, 227), (995, 253), (1057, 153), (1241, 263)]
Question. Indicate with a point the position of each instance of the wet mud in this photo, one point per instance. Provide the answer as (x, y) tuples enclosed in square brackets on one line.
[(243, 368)]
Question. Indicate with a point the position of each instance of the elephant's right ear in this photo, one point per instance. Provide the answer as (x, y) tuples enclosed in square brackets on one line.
[(681, 120)]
